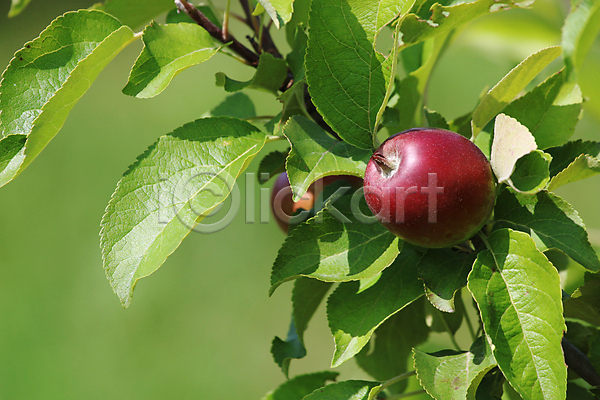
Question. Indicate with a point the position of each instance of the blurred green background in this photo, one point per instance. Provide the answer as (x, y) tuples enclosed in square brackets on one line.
[(202, 325)]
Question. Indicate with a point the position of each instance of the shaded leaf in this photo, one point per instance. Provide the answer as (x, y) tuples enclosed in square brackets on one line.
[(300, 386), (454, 376), (583, 167), (170, 188), (334, 246), (295, 58), (447, 322), (510, 86), (553, 220), (168, 50), (284, 351), (391, 345), (584, 303), (307, 295), (353, 316), (444, 272), (316, 154), (511, 142), (531, 173), (550, 119), (271, 165), (435, 119), (175, 16), (348, 79), (518, 294), (269, 76), (490, 387), (48, 75), (293, 103), (237, 105), (564, 155), (130, 13)]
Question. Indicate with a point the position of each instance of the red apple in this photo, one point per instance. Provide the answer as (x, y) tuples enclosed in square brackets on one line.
[(284, 207), (430, 187)]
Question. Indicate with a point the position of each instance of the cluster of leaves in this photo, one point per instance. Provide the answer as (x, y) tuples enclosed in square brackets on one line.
[(379, 311)]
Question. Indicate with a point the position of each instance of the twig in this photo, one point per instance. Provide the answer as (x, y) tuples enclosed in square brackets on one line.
[(405, 395), (397, 379), (579, 363), (216, 32)]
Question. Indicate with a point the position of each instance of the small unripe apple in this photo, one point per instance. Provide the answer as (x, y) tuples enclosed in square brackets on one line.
[(284, 207), (430, 187)]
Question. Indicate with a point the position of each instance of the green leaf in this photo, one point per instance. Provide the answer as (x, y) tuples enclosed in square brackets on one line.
[(411, 89), (511, 142), (554, 221), (295, 58), (307, 295), (351, 390), (348, 78), (49, 74), (444, 272), (435, 119), (293, 103), (354, 316), (446, 322), (455, 376), (16, 7), (549, 115), (12, 154), (168, 50), (532, 172), (510, 86), (578, 34), (564, 155), (445, 18), (130, 13), (334, 246), (280, 11), (271, 165), (269, 76), (175, 16), (519, 297), (284, 351), (491, 386), (583, 167), (584, 303), (391, 345), (300, 386), (171, 187), (316, 154), (298, 22), (237, 105)]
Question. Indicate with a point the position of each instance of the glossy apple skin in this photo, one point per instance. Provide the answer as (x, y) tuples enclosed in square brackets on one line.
[(284, 208), (430, 187)]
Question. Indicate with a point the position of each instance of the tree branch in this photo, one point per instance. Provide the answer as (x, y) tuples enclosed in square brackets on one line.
[(216, 32), (579, 363)]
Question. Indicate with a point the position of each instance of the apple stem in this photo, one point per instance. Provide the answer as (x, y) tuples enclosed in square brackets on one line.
[(383, 163)]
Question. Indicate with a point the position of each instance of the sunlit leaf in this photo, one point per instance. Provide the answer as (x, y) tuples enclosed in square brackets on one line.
[(280, 11), (335, 246), (510, 86), (354, 316), (315, 154), (354, 390), (554, 221), (17, 7), (170, 188), (579, 32), (519, 297), (454, 376), (168, 50), (348, 79), (49, 75)]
